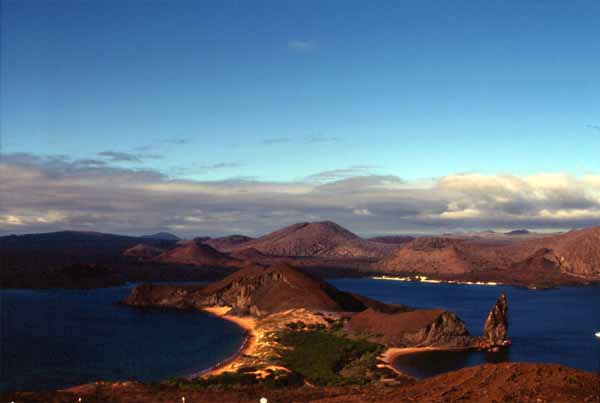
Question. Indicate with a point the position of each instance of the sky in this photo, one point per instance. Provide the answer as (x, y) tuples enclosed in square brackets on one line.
[(213, 117)]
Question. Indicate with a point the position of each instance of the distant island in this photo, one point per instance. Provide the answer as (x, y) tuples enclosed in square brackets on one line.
[(308, 340), (326, 249)]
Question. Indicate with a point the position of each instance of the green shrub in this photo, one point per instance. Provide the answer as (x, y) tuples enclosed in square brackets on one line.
[(320, 357)]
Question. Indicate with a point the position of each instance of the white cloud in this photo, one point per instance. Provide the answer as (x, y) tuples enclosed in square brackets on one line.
[(43, 194)]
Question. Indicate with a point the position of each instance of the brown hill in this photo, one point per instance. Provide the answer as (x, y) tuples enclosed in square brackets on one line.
[(249, 254), (411, 328), (195, 253), (143, 251), (430, 255), (227, 243), (253, 290), (559, 259), (406, 327), (577, 252), (323, 239)]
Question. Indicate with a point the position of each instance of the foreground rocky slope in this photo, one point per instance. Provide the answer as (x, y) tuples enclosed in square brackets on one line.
[(491, 383)]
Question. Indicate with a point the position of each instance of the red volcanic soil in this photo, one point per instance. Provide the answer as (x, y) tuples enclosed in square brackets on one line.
[(199, 254), (569, 258), (381, 322), (323, 239), (281, 287), (578, 251), (255, 290), (431, 255), (227, 243), (249, 254), (506, 382)]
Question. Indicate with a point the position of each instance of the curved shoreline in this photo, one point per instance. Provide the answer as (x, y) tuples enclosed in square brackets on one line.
[(388, 357), (248, 324)]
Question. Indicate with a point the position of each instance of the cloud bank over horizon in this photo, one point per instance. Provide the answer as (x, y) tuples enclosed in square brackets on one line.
[(42, 193)]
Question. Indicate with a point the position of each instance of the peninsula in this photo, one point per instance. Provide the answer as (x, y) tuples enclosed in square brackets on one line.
[(285, 310)]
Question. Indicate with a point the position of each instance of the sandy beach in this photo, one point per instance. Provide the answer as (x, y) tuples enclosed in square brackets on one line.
[(389, 355), (248, 348)]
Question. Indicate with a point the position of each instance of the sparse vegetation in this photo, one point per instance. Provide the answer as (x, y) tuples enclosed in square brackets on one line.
[(326, 358), (242, 378)]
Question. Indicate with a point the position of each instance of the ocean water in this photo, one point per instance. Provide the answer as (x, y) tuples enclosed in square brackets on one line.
[(57, 338), (550, 326)]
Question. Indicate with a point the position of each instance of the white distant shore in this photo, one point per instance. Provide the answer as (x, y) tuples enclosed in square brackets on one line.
[(425, 279)]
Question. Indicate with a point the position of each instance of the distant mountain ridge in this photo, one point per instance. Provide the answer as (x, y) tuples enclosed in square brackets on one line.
[(538, 260), (196, 253), (519, 232), (165, 236), (227, 243), (322, 239), (575, 254), (392, 239)]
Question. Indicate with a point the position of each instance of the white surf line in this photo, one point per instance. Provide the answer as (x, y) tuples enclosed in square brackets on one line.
[(425, 279)]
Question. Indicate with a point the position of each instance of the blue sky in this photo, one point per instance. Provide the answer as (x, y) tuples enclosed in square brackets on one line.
[(282, 91), (412, 88)]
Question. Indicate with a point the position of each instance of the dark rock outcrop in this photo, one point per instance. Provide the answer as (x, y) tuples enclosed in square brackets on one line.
[(412, 327), (495, 330)]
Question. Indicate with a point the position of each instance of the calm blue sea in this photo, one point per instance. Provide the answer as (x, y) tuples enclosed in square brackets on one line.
[(57, 338), (551, 326)]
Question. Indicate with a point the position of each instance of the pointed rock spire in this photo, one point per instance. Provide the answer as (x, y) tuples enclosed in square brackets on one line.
[(495, 330)]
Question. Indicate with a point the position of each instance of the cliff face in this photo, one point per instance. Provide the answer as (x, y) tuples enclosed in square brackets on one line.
[(495, 330), (254, 290), (431, 327), (420, 327)]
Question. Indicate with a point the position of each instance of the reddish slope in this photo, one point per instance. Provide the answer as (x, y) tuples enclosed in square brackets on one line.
[(429, 255), (192, 252), (578, 252), (323, 239), (254, 290), (506, 382), (227, 243), (558, 259)]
